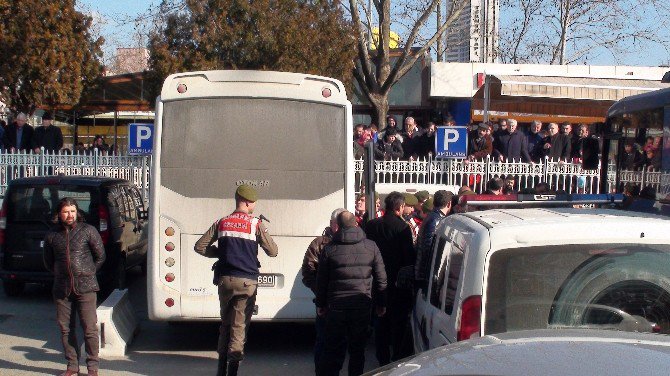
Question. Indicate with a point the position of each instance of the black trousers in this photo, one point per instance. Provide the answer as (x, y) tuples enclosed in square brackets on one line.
[(345, 329), (391, 339)]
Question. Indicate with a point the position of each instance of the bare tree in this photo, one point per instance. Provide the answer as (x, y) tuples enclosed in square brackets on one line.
[(569, 31), (375, 71)]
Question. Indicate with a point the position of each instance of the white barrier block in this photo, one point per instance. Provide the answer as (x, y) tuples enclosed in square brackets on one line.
[(117, 324)]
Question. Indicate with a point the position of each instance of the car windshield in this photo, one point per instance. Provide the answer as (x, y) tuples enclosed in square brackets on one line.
[(38, 203), (605, 286)]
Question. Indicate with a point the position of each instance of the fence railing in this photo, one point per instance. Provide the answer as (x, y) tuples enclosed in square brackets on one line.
[(133, 168), (560, 176)]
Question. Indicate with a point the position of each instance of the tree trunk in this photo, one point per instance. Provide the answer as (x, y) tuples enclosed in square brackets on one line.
[(380, 104)]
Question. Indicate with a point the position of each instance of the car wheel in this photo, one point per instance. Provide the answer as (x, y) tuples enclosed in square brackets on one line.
[(13, 288)]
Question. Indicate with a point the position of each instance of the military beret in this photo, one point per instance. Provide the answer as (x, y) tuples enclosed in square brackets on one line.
[(410, 199), (422, 195), (247, 192), (428, 205)]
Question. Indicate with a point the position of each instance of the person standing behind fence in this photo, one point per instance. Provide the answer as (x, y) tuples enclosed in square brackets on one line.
[(351, 279), (557, 146), (310, 267), (74, 252), (47, 136), (238, 236), (3, 126), (19, 135), (480, 144), (534, 141)]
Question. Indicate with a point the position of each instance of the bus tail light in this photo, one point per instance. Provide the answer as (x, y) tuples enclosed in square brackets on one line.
[(103, 214), (169, 246), (169, 277), (3, 222), (169, 302), (471, 317)]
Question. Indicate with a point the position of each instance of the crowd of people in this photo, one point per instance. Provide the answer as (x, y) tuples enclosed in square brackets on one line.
[(19, 136), (503, 141)]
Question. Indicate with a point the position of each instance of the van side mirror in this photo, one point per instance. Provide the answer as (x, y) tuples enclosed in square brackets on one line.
[(142, 215)]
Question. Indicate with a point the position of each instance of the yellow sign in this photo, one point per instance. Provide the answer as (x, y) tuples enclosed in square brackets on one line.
[(394, 40)]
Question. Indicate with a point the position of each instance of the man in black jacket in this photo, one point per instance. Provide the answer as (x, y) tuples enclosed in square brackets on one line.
[(394, 239), (557, 146), (19, 135), (350, 267), (74, 253), (48, 136)]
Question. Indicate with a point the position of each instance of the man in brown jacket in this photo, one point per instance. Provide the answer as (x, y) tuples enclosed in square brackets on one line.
[(74, 253), (310, 265)]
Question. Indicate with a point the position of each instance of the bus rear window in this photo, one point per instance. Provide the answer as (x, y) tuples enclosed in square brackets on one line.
[(39, 203), (605, 286)]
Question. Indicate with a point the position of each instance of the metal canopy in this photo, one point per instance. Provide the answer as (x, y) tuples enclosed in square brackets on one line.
[(579, 88)]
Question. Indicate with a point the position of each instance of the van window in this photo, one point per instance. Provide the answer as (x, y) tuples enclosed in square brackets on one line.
[(121, 203), (437, 273), (39, 202), (597, 286), (455, 264), (130, 203)]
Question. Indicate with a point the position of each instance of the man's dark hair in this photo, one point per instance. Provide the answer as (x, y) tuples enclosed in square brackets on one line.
[(441, 199), (541, 188), (346, 220), (393, 202), (68, 201), (495, 184), (648, 192)]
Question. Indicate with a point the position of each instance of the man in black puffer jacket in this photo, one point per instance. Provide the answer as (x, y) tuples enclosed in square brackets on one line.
[(74, 253), (350, 275)]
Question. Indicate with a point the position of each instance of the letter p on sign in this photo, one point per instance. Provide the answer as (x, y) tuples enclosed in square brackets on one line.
[(143, 134), (450, 136)]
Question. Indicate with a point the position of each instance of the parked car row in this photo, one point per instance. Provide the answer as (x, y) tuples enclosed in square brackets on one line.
[(114, 206)]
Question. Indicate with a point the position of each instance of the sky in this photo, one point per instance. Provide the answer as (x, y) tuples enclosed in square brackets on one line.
[(112, 20)]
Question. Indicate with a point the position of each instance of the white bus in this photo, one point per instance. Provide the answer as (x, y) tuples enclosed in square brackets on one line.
[(287, 134)]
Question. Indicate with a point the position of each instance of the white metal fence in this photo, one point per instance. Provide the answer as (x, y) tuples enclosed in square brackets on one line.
[(132, 168), (560, 176)]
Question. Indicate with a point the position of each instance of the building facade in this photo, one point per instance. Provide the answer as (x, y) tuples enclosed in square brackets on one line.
[(474, 37)]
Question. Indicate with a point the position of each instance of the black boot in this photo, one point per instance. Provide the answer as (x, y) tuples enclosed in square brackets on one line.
[(232, 368), (223, 362)]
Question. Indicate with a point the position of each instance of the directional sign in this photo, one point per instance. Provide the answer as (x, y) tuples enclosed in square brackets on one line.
[(451, 142), (140, 138)]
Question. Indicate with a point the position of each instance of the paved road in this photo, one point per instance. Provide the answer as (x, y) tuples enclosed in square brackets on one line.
[(30, 343)]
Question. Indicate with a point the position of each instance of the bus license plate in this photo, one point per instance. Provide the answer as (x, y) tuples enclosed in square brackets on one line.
[(267, 280)]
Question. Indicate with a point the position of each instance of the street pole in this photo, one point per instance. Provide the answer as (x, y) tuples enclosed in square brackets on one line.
[(487, 96)]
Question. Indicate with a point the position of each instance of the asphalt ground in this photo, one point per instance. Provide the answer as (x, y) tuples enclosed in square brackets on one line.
[(30, 342)]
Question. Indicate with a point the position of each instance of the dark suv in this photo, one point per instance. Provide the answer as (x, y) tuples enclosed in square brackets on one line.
[(114, 206)]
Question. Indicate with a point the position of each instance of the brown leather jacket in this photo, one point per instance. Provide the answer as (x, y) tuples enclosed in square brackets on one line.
[(310, 262), (74, 256)]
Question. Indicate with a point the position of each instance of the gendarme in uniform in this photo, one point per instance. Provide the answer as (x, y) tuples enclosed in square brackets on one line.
[(238, 236)]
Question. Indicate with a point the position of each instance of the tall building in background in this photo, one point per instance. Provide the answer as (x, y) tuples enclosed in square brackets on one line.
[(474, 36), (129, 60)]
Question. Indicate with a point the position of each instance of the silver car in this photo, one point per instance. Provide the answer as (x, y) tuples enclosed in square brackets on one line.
[(543, 352)]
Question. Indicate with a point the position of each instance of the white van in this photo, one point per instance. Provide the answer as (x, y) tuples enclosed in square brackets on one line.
[(505, 270)]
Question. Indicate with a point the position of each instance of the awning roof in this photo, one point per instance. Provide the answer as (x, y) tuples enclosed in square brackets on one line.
[(580, 88)]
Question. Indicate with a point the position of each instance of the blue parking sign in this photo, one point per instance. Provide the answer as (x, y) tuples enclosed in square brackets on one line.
[(140, 138), (451, 142)]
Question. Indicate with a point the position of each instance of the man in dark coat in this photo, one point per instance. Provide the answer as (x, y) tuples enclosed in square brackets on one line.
[(393, 236), (557, 145), (48, 136), (514, 144), (586, 148), (480, 144), (350, 275), (534, 140), (389, 148), (310, 266), (19, 135), (74, 253)]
